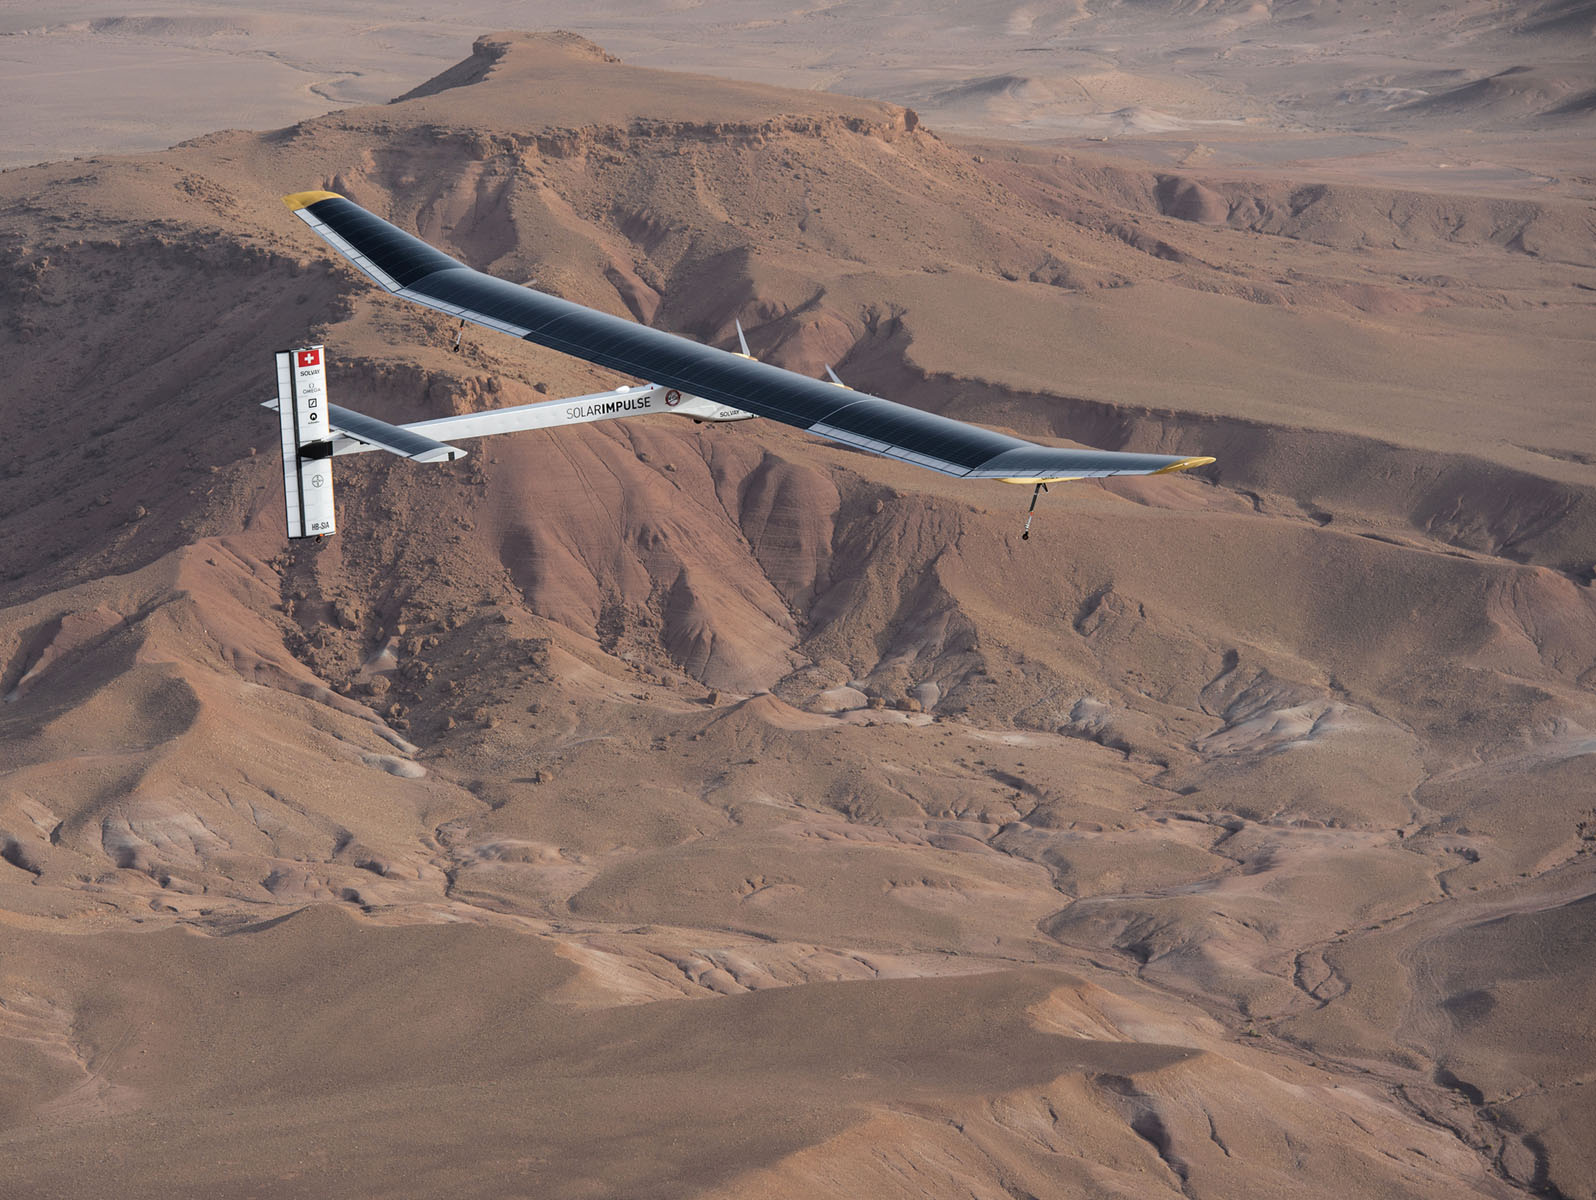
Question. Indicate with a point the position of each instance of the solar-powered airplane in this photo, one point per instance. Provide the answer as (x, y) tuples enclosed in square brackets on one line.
[(685, 378)]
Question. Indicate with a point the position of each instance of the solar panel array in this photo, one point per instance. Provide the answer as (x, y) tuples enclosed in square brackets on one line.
[(409, 267)]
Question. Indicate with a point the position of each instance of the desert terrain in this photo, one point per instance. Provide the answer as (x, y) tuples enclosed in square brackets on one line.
[(652, 809)]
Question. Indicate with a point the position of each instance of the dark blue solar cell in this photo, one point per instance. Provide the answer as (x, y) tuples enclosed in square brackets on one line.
[(404, 258)]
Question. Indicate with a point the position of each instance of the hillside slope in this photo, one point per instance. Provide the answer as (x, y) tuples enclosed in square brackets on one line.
[(1183, 849)]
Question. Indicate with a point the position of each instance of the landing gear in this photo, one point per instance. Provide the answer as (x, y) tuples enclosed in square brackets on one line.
[(1031, 512), (458, 333)]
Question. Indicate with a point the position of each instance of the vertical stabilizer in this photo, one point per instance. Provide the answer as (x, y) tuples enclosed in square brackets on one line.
[(307, 441)]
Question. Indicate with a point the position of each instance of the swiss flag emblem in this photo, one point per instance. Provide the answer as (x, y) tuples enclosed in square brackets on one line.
[(310, 358)]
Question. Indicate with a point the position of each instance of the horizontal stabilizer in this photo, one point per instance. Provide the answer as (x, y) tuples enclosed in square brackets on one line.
[(379, 435), (393, 438)]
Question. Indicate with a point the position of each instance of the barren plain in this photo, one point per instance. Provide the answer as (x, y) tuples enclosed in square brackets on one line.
[(651, 809)]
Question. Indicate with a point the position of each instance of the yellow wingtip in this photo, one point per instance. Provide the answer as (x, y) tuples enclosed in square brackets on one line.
[(1184, 464), (299, 200)]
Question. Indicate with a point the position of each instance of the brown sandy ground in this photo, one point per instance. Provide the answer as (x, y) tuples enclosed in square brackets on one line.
[(662, 809), (1488, 97)]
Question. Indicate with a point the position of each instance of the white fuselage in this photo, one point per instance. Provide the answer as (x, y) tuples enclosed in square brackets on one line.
[(577, 410)]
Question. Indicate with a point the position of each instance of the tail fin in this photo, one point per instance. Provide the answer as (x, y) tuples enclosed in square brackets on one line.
[(304, 414)]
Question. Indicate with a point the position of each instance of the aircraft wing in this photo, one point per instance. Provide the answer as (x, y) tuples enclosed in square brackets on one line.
[(408, 267)]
